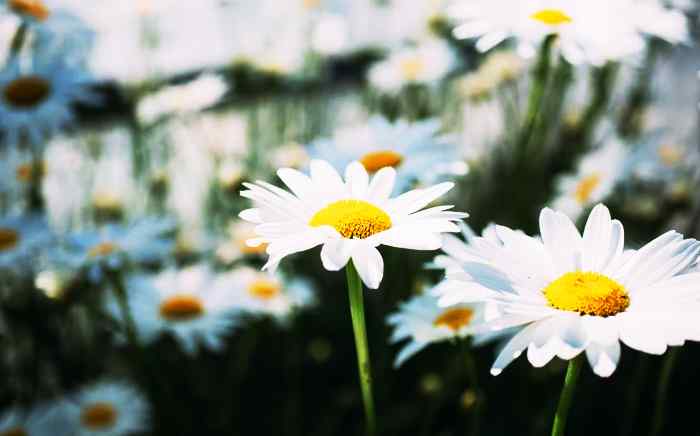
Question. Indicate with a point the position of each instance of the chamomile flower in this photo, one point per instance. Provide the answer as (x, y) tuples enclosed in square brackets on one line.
[(571, 293), (418, 151), (108, 408), (260, 293), (42, 420), (37, 100), (193, 304), (21, 238), (594, 180), (423, 64), (350, 217), (110, 247), (422, 322)]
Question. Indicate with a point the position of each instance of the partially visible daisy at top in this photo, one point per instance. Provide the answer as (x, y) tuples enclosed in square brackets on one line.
[(193, 304), (34, 10), (38, 97), (424, 63), (594, 180), (570, 293), (107, 408), (349, 217), (275, 295), (419, 152), (584, 29)]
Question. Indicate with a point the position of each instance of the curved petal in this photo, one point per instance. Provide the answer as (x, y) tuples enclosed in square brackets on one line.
[(369, 264)]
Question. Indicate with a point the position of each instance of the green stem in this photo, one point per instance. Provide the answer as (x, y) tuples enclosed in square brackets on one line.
[(603, 81), (123, 301), (473, 375), (18, 40), (567, 395), (662, 391), (357, 312)]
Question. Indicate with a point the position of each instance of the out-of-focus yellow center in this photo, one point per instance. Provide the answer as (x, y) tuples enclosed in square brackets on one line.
[(9, 239), (33, 8), (103, 249), (27, 92), (412, 68), (587, 293), (311, 4), (181, 307), (670, 155), (376, 160), (27, 172), (246, 249), (99, 416), (264, 289), (15, 431), (106, 201), (551, 17), (586, 186), (354, 219), (454, 319)]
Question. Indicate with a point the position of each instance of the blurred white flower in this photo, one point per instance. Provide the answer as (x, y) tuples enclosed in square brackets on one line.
[(22, 239), (114, 188), (330, 35), (234, 246), (290, 155), (45, 419)]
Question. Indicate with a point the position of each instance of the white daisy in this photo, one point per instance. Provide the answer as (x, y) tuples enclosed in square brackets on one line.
[(235, 246), (108, 408), (349, 218), (572, 293), (194, 304), (44, 420), (22, 238), (418, 151), (422, 322), (594, 180), (260, 293), (37, 100)]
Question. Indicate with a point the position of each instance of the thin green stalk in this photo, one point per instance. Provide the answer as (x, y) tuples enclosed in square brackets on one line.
[(662, 391), (18, 40), (567, 395), (357, 312), (603, 82), (123, 302)]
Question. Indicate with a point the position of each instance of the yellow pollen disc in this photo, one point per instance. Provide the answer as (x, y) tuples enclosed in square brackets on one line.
[(27, 92), (16, 431), (181, 307), (33, 8), (26, 172), (670, 155), (354, 219), (377, 160), (8, 239), (551, 17), (454, 319), (264, 289), (586, 186), (412, 68), (587, 293), (103, 249), (106, 201), (99, 416)]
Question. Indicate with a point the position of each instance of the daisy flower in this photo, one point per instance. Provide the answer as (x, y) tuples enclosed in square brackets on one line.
[(423, 64), (145, 241), (571, 293), (260, 293), (235, 247), (594, 180), (193, 304), (421, 321), (37, 100), (418, 151), (22, 237), (31, 10), (108, 408), (350, 218), (40, 421)]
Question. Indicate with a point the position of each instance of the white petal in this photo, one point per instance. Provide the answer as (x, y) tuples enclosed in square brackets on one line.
[(603, 358), (562, 240), (514, 348), (357, 179), (410, 238), (335, 254), (382, 184), (369, 264)]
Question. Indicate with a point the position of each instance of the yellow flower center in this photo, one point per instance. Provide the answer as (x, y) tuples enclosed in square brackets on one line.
[(106, 201), (15, 431), (376, 160), (26, 172), (248, 250), (8, 239), (352, 218), (311, 4), (182, 307), (99, 416), (586, 186), (412, 68), (27, 92), (264, 289), (103, 249), (669, 155), (454, 319), (551, 17), (33, 8), (587, 293)]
